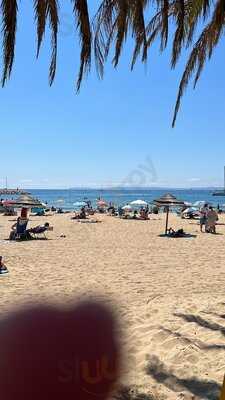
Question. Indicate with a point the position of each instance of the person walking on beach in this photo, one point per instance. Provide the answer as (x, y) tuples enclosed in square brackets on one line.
[(203, 216), (212, 218)]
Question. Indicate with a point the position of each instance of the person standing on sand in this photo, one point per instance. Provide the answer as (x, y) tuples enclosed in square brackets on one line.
[(203, 216), (212, 218)]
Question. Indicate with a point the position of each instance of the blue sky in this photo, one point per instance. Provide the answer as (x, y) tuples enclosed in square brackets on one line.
[(52, 138)]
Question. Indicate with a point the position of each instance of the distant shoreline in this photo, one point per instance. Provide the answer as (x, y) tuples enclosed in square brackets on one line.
[(117, 188)]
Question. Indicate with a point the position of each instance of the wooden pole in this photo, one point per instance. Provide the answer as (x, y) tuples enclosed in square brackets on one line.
[(167, 219)]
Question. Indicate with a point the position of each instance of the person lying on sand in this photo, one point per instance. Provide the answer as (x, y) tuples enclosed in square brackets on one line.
[(81, 215), (178, 233)]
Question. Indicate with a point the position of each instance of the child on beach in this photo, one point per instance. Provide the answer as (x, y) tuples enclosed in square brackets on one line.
[(203, 216)]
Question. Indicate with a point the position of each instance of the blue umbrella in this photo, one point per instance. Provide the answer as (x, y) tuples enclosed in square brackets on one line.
[(80, 204)]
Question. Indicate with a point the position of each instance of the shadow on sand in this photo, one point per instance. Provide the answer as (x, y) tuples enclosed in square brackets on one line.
[(203, 388), (196, 343), (202, 322), (185, 236)]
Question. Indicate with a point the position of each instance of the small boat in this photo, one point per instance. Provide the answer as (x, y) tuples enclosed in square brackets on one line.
[(219, 193)]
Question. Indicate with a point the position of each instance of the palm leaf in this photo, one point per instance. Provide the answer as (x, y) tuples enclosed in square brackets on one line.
[(9, 21), (83, 25), (52, 12), (165, 23), (204, 47), (139, 28), (44, 10), (121, 25), (180, 31), (114, 20), (40, 10)]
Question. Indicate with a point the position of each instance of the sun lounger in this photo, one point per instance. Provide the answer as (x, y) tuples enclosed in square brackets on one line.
[(40, 230), (20, 232)]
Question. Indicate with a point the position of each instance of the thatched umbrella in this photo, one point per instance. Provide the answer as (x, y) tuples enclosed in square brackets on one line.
[(26, 201), (167, 201)]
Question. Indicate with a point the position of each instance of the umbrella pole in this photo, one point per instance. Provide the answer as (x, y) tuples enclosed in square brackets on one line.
[(167, 219)]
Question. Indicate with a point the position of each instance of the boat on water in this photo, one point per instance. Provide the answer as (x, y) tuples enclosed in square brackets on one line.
[(220, 192)]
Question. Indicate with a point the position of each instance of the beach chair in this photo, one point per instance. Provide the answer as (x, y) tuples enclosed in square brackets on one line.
[(40, 231), (21, 232)]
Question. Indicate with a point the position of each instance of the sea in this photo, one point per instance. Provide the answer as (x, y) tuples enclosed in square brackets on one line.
[(65, 199)]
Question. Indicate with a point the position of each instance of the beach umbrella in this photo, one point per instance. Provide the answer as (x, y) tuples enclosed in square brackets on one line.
[(8, 203), (80, 204), (138, 203), (102, 203), (25, 201), (127, 208), (201, 203), (190, 210), (167, 201)]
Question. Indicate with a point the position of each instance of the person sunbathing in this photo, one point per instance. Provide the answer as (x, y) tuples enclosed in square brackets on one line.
[(39, 229), (81, 215), (178, 233)]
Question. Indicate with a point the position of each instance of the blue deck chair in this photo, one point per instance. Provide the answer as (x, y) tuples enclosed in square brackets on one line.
[(21, 229)]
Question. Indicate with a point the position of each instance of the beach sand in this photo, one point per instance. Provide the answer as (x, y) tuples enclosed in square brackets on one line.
[(168, 293)]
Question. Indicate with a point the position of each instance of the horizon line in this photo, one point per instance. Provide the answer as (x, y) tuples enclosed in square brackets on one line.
[(126, 188)]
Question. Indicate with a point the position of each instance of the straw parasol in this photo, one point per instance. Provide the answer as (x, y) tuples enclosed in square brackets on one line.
[(26, 201), (167, 201)]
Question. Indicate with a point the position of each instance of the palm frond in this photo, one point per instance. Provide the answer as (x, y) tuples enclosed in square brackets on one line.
[(121, 25), (114, 21), (180, 32), (52, 12), (9, 10), (44, 10), (165, 23), (40, 10), (84, 27), (139, 27), (195, 10), (204, 47), (104, 26)]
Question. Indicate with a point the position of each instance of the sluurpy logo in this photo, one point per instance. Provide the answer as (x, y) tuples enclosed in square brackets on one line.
[(93, 376)]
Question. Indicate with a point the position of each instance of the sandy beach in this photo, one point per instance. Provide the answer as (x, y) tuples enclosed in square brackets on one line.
[(168, 293)]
